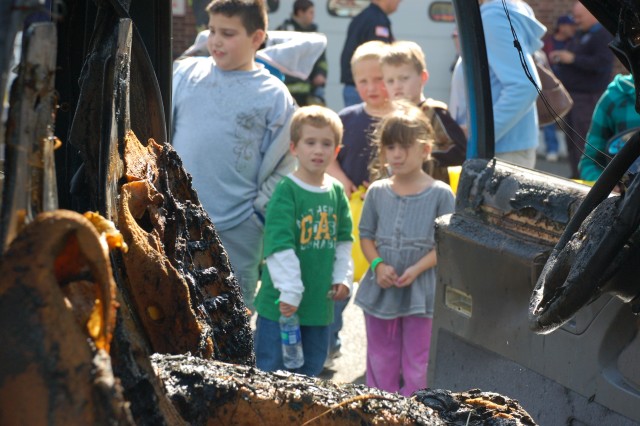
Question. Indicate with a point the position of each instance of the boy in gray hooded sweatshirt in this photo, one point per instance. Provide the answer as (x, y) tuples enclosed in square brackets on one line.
[(231, 128)]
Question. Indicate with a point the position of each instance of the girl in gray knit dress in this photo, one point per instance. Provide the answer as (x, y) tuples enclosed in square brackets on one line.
[(397, 238)]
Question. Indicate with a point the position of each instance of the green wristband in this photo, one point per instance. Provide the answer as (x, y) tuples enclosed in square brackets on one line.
[(375, 262)]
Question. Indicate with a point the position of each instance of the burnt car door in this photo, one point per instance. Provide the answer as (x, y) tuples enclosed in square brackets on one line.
[(489, 332)]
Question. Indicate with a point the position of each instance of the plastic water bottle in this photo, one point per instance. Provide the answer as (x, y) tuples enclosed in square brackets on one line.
[(292, 354)]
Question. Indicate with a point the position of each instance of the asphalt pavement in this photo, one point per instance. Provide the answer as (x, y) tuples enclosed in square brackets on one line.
[(560, 167), (350, 366)]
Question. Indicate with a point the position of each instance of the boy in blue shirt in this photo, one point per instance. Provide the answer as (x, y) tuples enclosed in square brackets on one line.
[(230, 127), (307, 245)]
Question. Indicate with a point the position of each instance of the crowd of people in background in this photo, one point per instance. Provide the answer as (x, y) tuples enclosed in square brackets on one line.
[(557, 40), (584, 66), (275, 169)]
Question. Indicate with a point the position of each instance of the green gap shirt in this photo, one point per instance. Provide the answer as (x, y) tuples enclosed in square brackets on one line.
[(310, 223)]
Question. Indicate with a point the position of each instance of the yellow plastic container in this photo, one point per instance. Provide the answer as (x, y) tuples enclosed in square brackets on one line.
[(360, 264), (585, 182), (454, 177)]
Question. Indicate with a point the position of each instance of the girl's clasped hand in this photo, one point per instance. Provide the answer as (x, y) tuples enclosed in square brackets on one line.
[(387, 277)]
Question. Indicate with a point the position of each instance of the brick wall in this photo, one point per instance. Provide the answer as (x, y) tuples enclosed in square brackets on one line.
[(547, 11), (184, 32)]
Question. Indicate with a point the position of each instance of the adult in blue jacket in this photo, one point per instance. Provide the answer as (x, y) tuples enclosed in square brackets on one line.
[(514, 97)]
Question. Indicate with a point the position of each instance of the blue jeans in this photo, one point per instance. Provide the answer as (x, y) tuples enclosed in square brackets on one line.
[(268, 347), (336, 326), (350, 95), (550, 139)]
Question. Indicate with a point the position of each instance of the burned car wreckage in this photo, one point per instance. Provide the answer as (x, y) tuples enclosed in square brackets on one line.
[(132, 315)]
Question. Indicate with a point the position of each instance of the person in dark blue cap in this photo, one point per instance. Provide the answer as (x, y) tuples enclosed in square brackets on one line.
[(584, 67), (564, 31)]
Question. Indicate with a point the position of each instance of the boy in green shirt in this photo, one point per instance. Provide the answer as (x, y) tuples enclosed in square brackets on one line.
[(307, 245)]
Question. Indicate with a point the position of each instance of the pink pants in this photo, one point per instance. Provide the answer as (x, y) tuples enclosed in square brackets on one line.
[(398, 348)]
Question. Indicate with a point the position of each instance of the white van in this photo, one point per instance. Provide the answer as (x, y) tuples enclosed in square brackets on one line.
[(429, 23)]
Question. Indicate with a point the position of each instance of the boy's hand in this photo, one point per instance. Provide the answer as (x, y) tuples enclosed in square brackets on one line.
[(340, 291), (562, 57), (408, 277), (386, 275), (349, 187), (366, 184), (287, 310)]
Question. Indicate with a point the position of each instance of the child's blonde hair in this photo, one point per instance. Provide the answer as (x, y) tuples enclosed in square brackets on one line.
[(404, 52), (316, 116), (370, 50), (405, 125)]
